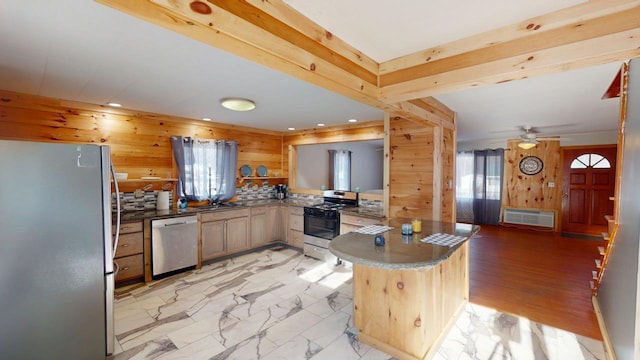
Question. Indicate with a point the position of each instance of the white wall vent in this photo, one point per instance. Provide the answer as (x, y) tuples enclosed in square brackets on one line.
[(529, 217)]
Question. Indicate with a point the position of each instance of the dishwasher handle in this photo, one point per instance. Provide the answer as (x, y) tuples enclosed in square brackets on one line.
[(178, 223), (182, 220)]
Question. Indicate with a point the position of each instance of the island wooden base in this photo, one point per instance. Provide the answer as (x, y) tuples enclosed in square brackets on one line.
[(405, 312)]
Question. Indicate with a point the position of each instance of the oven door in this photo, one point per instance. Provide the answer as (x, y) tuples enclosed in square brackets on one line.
[(322, 227)]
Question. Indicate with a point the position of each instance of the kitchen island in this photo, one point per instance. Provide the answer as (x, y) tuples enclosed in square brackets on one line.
[(407, 293)]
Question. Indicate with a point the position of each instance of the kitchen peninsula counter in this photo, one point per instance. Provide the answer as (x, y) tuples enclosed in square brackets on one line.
[(407, 293)]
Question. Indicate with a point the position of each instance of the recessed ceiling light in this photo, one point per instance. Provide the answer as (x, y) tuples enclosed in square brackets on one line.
[(206, 119), (114, 104), (291, 129), (353, 120), (238, 104), (321, 124)]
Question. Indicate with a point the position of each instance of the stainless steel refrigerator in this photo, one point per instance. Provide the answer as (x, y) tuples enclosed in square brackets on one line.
[(56, 263)]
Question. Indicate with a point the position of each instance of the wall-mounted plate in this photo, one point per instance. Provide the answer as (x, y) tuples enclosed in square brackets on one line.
[(246, 170), (262, 170)]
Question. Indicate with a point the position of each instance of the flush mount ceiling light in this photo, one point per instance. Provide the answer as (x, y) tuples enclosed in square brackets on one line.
[(526, 144), (353, 120), (238, 104), (114, 104)]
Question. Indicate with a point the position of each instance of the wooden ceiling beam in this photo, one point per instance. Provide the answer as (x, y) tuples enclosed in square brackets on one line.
[(570, 38), (551, 21), (229, 33), (606, 49), (274, 35)]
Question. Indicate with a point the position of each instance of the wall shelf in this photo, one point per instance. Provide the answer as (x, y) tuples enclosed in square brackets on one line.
[(248, 178)]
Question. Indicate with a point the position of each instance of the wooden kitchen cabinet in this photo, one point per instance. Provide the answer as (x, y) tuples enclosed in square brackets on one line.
[(349, 223), (295, 232), (258, 226), (212, 235), (276, 223), (237, 235), (224, 232), (129, 252)]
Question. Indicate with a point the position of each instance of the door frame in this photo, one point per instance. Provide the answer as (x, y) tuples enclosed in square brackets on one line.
[(586, 148)]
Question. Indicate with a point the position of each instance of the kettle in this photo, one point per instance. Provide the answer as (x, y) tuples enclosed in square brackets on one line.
[(281, 191)]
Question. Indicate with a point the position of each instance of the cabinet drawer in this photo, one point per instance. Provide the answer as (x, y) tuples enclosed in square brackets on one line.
[(296, 210), (223, 214), (128, 227), (129, 244), (296, 222), (258, 210), (131, 267)]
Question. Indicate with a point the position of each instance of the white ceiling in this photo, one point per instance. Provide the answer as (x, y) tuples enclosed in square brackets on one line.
[(81, 50)]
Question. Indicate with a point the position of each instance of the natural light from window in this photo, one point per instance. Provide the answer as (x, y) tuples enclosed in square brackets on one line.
[(590, 160)]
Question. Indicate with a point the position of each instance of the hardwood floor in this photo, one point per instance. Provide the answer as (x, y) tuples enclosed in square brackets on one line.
[(538, 275)]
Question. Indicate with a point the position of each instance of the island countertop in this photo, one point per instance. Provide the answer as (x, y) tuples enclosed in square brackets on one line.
[(400, 251)]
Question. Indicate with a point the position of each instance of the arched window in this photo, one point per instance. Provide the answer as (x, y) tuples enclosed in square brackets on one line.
[(590, 160)]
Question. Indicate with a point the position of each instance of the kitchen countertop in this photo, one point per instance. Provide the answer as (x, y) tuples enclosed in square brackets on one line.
[(400, 251), (373, 213), (173, 212)]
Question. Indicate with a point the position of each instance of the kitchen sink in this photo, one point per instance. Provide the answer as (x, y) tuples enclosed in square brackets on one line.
[(209, 207)]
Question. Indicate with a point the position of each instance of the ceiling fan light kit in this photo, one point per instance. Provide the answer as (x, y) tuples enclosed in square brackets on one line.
[(526, 145)]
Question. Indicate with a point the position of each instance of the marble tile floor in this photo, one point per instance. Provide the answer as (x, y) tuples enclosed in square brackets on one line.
[(279, 304)]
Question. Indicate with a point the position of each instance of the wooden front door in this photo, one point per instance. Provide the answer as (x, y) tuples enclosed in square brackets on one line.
[(587, 186)]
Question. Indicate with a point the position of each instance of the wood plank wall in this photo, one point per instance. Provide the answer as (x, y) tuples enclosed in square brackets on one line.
[(410, 169), (449, 149), (140, 143), (532, 191)]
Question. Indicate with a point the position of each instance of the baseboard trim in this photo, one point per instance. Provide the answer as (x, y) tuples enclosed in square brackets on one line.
[(608, 347)]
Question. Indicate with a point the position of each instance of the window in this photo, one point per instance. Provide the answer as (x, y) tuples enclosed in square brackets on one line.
[(340, 170), (206, 168), (590, 160)]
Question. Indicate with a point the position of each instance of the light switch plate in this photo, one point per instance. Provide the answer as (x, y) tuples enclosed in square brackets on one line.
[(552, 184)]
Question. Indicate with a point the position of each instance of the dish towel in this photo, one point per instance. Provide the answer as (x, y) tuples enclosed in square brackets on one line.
[(443, 239), (373, 229)]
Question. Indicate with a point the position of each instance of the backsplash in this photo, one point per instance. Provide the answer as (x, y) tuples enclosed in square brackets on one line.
[(371, 204), (255, 192), (129, 201)]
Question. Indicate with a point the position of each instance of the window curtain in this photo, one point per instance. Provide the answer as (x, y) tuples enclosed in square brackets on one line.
[(464, 187), (206, 168), (479, 186), (340, 170)]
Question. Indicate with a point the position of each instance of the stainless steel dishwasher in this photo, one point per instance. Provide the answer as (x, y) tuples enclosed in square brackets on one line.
[(174, 244)]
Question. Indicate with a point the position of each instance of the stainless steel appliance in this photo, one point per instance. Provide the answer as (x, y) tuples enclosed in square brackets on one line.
[(281, 191), (322, 223), (174, 244), (56, 256)]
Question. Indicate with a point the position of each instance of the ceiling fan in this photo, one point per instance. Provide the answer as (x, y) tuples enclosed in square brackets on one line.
[(529, 139)]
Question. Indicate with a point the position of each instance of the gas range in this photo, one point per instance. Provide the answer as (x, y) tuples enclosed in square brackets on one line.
[(334, 201), (322, 222)]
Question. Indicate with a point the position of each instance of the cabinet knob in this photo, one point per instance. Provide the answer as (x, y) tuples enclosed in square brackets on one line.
[(125, 268), (125, 245)]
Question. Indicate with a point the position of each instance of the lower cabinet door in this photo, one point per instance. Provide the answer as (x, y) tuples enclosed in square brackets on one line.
[(237, 234), (295, 238), (213, 239)]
